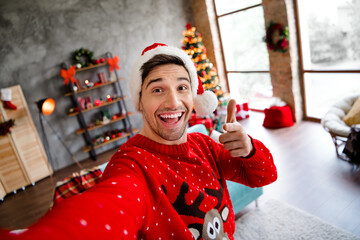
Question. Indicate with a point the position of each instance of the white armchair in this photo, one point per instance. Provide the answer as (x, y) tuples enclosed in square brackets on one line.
[(333, 123)]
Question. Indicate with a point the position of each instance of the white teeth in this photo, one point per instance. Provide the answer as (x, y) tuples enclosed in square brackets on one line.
[(174, 115)]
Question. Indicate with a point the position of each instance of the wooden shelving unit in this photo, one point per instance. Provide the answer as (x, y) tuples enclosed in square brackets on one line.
[(90, 67), (92, 88), (95, 107), (88, 148), (82, 130), (119, 101)]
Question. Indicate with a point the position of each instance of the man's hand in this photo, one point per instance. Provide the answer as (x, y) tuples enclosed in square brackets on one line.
[(235, 139)]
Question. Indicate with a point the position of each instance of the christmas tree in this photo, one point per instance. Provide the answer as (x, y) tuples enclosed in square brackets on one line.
[(194, 47)]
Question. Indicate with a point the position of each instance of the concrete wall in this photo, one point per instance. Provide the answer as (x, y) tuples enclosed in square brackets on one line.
[(37, 36)]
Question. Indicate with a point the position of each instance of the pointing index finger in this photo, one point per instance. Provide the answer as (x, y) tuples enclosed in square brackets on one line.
[(231, 111)]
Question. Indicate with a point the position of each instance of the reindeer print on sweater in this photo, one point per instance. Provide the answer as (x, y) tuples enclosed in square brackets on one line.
[(213, 220)]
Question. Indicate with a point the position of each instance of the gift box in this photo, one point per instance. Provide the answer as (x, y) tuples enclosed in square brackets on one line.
[(208, 122), (242, 111)]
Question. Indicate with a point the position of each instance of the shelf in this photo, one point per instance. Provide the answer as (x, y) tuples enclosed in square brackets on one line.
[(81, 131), (95, 107), (87, 148), (90, 67), (91, 88)]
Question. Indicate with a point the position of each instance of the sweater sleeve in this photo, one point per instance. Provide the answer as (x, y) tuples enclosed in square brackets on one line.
[(113, 209), (256, 170)]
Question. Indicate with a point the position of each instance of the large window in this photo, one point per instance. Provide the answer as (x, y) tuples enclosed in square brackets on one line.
[(330, 48), (242, 29)]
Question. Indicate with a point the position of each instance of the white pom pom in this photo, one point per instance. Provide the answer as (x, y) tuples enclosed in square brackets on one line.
[(205, 103)]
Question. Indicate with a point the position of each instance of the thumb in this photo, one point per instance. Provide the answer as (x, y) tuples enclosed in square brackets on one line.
[(231, 111)]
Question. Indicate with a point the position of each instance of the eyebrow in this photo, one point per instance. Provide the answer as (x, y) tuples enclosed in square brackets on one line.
[(160, 79)]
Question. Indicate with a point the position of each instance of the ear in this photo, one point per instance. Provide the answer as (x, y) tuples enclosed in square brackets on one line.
[(225, 213), (140, 104), (195, 233)]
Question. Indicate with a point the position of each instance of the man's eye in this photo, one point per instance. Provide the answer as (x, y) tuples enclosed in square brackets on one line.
[(156, 90), (182, 88)]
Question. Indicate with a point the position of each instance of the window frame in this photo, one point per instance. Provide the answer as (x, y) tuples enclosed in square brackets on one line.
[(222, 49), (303, 71)]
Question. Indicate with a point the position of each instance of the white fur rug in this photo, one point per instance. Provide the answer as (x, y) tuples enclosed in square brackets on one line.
[(275, 220)]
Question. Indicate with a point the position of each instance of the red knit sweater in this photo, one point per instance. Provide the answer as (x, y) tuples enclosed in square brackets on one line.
[(155, 191)]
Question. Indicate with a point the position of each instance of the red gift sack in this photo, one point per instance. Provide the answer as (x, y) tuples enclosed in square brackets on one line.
[(278, 117)]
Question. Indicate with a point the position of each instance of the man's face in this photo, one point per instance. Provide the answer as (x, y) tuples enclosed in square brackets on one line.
[(166, 103)]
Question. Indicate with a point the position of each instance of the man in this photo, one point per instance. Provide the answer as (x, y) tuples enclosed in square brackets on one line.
[(164, 183)]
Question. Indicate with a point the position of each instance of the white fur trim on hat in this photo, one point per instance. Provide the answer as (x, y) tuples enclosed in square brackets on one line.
[(205, 103), (135, 82)]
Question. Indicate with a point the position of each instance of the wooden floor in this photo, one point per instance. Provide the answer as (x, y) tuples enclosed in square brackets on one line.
[(311, 178)]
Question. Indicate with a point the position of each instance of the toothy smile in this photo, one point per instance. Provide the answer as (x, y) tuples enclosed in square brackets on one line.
[(171, 117)]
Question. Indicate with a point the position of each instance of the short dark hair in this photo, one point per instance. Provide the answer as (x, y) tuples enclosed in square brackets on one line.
[(158, 60)]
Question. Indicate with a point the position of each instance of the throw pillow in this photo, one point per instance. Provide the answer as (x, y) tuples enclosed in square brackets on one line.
[(77, 183), (353, 116)]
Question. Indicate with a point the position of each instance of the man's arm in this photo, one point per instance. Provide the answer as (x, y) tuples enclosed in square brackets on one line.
[(116, 208), (243, 159), (256, 170)]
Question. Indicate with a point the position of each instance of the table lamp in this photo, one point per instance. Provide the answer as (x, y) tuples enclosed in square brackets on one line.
[(46, 107)]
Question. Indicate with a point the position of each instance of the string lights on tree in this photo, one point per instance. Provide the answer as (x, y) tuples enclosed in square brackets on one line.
[(193, 46)]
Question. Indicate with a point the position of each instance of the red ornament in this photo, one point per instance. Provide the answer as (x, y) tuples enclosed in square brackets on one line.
[(96, 61), (102, 60), (97, 102), (113, 136), (119, 134), (188, 26), (203, 73)]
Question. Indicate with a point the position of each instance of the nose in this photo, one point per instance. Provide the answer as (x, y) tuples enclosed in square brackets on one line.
[(172, 100)]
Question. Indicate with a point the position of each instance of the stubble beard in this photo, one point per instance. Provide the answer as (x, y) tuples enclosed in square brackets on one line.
[(169, 134)]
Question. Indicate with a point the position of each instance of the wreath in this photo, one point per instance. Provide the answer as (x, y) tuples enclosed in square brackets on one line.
[(5, 127), (282, 43), (84, 57)]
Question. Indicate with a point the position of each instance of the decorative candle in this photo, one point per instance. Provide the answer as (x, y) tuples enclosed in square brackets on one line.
[(109, 98)]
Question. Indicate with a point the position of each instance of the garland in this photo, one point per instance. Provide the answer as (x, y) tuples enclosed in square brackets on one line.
[(5, 127), (280, 45), (83, 57)]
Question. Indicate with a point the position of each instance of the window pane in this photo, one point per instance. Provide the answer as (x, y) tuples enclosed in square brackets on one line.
[(242, 37), (330, 34), (324, 89), (254, 87), (225, 6)]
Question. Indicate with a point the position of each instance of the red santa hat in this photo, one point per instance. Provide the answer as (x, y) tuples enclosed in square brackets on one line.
[(205, 102)]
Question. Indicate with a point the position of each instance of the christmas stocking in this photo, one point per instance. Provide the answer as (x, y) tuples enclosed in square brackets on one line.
[(6, 98)]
